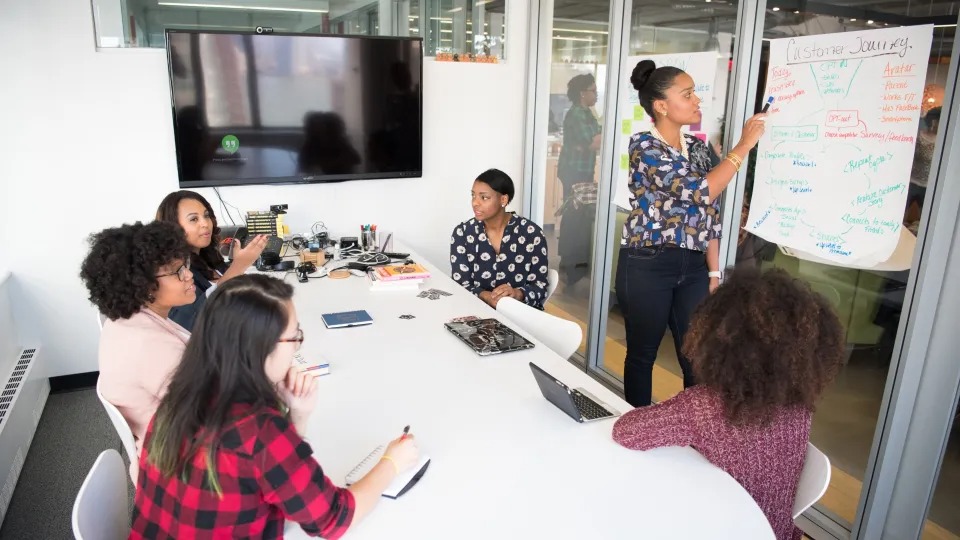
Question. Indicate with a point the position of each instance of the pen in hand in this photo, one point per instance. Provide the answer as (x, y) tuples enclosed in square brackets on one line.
[(405, 431)]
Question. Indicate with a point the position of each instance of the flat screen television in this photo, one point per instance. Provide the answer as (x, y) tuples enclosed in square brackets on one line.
[(254, 108)]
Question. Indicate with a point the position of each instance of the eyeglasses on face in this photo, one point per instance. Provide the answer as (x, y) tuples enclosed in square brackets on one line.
[(298, 339), (181, 272)]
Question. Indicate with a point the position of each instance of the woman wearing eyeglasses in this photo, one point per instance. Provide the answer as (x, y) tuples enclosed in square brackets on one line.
[(225, 455), (135, 275)]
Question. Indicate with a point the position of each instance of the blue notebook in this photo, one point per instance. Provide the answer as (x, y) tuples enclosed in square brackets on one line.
[(346, 318)]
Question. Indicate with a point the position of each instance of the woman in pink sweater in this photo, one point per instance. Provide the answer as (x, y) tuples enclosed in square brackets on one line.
[(135, 275), (763, 349)]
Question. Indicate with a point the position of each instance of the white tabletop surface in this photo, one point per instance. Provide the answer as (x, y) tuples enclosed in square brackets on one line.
[(505, 462)]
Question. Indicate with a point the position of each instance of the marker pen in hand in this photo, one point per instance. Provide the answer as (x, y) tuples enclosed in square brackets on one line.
[(766, 106), (405, 431)]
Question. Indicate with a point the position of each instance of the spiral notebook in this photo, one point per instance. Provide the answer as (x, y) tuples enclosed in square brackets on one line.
[(401, 484)]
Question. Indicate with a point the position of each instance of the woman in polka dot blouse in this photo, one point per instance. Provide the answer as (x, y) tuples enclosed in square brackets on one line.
[(498, 253)]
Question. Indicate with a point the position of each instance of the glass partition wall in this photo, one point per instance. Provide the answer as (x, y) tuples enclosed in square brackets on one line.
[(475, 27), (725, 47)]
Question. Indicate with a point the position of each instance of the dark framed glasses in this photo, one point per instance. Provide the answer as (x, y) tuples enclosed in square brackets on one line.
[(181, 272)]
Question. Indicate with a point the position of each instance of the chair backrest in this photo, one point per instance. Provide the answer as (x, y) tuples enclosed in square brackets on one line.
[(100, 511), (553, 278), (560, 335), (123, 428), (814, 480)]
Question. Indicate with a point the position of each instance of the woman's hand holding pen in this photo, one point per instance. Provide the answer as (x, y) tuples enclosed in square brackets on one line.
[(752, 131), (402, 452)]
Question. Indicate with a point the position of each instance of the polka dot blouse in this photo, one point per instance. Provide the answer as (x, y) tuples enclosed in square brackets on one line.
[(522, 261)]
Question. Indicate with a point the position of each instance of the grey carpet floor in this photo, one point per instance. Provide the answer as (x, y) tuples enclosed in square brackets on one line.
[(72, 432)]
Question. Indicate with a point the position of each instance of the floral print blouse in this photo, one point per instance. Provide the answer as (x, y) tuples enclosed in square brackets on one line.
[(522, 261), (670, 198)]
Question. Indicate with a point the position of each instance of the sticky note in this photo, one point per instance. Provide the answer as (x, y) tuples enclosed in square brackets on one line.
[(638, 113), (624, 162), (628, 127)]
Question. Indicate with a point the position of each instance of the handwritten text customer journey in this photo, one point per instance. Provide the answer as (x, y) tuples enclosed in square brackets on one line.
[(834, 164)]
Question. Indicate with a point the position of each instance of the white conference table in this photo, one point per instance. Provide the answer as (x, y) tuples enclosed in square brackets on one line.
[(505, 463)]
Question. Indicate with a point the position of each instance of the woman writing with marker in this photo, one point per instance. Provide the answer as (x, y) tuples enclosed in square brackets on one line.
[(670, 254)]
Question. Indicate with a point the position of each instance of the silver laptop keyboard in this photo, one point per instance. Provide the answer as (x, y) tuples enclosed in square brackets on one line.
[(588, 408)]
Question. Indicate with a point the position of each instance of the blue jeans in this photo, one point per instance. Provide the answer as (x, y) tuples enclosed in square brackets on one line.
[(657, 287)]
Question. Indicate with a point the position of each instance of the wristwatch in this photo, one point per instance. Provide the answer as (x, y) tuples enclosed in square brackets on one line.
[(715, 274)]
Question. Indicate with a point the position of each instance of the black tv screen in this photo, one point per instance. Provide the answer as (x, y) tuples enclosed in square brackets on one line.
[(280, 108)]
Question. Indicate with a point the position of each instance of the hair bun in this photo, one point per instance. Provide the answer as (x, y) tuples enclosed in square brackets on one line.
[(641, 73)]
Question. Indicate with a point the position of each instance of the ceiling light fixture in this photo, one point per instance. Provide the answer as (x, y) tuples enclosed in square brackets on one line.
[(234, 6), (776, 9), (571, 38)]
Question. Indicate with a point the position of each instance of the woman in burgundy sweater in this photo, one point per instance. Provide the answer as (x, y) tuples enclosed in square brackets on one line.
[(763, 349)]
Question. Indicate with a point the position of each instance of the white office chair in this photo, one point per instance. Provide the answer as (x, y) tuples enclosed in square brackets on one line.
[(123, 429), (560, 335), (553, 278), (814, 480), (100, 511)]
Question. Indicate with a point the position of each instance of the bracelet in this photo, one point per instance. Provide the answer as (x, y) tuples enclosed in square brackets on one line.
[(396, 467), (735, 159), (715, 274)]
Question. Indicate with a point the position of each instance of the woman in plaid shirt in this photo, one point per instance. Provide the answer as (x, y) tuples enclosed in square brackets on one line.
[(225, 454)]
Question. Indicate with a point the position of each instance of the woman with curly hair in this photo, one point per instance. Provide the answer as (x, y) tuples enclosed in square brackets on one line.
[(192, 213), (135, 275), (763, 348)]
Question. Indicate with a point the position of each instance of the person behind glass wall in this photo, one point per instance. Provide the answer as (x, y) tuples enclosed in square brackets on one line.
[(764, 349), (575, 167), (192, 213), (920, 173), (669, 259), (225, 455), (498, 254)]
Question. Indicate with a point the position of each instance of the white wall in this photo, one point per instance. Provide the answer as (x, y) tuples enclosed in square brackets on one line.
[(87, 143)]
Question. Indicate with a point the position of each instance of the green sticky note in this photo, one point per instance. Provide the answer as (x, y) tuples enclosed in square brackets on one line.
[(628, 127), (624, 162), (638, 113)]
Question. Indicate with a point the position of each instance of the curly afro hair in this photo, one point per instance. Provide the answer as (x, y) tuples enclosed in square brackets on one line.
[(764, 341), (120, 270)]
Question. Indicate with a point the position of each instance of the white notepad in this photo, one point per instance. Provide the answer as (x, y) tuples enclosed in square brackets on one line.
[(401, 484)]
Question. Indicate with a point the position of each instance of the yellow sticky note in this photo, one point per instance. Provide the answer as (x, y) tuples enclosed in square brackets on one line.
[(628, 127), (638, 113), (624, 162)]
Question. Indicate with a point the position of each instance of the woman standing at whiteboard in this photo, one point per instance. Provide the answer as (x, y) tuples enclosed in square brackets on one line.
[(670, 250)]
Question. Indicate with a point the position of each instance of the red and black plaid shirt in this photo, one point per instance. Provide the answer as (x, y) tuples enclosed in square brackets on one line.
[(266, 474)]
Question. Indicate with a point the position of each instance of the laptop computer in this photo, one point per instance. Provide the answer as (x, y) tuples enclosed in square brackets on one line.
[(488, 336), (579, 404)]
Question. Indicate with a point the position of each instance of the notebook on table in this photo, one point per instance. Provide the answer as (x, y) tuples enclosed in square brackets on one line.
[(488, 336), (579, 404), (401, 484), (346, 318)]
